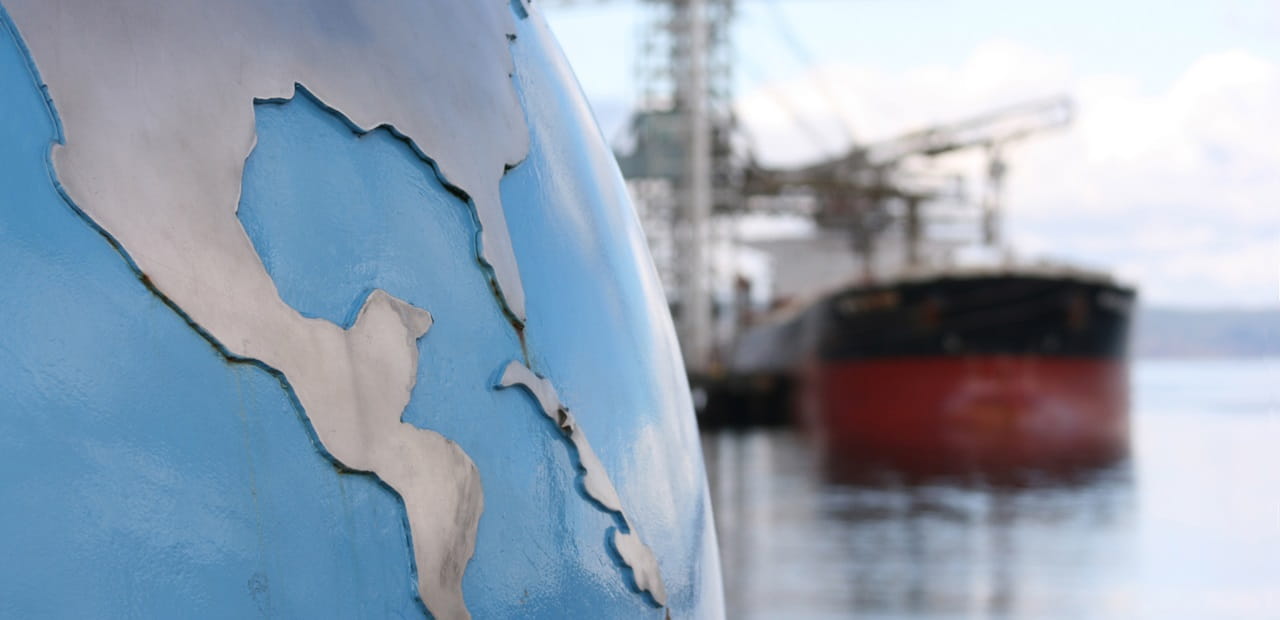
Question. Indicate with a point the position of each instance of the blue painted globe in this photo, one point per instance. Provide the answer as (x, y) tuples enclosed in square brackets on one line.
[(154, 466)]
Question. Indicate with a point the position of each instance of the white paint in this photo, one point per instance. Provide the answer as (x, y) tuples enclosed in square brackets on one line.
[(156, 102)]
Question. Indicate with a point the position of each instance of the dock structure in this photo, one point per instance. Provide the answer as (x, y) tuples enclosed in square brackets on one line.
[(693, 173)]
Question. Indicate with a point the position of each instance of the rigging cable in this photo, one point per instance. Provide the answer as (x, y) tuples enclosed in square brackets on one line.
[(784, 30), (780, 98)]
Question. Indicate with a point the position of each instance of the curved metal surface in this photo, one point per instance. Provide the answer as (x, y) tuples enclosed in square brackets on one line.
[(155, 101), (157, 108), (129, 80), (613, 356), (638, 557)]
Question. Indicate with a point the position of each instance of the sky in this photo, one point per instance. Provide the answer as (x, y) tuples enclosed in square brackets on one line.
[(1169, 176)]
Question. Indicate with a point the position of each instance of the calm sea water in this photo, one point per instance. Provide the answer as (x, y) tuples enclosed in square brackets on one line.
[(1188, 527)]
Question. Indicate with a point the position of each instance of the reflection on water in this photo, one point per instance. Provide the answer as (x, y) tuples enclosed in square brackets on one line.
[(795, 543), (1190, 527)]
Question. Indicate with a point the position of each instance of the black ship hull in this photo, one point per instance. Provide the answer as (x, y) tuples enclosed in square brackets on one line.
[(957, 370)]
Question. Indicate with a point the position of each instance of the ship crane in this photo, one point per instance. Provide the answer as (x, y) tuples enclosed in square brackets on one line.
[(990, 132), (685, 166), (855, 190)]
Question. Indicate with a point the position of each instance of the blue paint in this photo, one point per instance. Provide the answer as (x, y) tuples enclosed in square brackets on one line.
[(145, 475), (334, 215), (598, 324)]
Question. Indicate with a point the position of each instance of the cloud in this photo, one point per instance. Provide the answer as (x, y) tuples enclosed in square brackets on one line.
[(876, 105), (1177, 188)]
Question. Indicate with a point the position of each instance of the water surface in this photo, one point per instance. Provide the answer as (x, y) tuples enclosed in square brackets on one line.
[(1187, 527)]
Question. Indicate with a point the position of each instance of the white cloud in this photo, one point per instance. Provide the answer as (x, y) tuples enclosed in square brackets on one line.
[(879, 105), (1177, 188)]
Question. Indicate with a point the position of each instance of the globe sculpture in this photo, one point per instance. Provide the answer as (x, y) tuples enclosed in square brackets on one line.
[(329, 308)]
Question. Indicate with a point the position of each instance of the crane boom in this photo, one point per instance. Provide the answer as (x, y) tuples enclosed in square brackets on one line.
[(869, 168), (854, 190), (991, 129)]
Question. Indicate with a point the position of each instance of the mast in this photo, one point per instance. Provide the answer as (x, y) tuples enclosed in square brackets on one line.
[(679, 166), (695, 319)]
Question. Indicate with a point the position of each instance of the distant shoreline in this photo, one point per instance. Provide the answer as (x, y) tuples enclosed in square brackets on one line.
[(1161, 333)]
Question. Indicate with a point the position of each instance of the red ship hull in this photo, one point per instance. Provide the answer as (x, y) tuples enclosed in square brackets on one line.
[(989, 412), (957, 372)]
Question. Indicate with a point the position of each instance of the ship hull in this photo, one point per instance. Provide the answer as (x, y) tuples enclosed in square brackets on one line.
[(951, 413), (990, 372), (954, 372)]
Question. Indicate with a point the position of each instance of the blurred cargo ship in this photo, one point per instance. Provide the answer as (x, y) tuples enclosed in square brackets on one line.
[(937, 370), (931, 360), (927, 359)]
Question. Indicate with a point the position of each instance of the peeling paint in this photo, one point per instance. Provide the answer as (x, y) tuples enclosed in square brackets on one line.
[(155, 101), (637, 556), (155, 104)]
